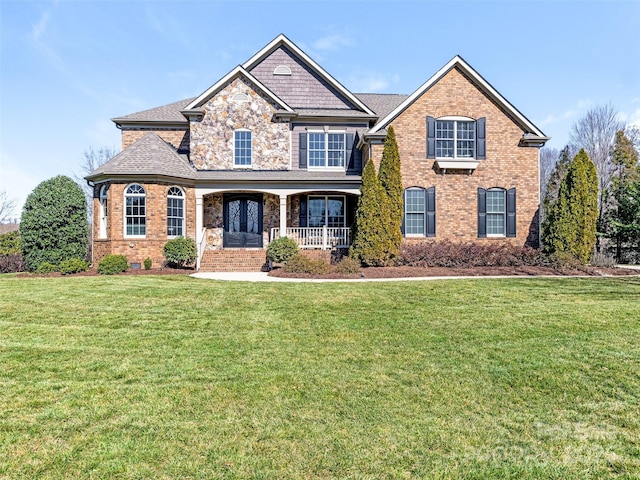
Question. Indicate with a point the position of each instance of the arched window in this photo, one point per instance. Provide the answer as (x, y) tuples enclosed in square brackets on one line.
[(135, 217), (282, 70), (175, 212), (103, 211)]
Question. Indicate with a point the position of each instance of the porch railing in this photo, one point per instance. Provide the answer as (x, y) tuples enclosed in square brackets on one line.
[(317, 237)]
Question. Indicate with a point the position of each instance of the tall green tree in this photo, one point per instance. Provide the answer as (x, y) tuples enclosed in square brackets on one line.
[(391, 180), (572, 218), (372, 245), (621, 223), (550, 190), (54, 224)]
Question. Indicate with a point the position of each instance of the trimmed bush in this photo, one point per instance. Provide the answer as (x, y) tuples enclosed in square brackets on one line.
[(180, 252), (348, 266), (112, 264), (10, 243), (303, 264), (147, 263), (281, 249), (391, 180), (73, 265), (47, 267), (467, 255), (54, 223), (11, 263)]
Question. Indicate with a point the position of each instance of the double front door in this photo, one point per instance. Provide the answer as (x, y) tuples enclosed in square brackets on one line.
[(242, 221)]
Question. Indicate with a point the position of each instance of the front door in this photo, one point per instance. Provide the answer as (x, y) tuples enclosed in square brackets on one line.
[(242, 221)]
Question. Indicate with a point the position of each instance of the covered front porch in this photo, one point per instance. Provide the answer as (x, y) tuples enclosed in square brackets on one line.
[(250, 218)]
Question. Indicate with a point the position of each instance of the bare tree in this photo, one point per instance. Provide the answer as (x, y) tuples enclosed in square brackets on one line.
[(92, 159), (596, 133), (548, 160), (7, 206)]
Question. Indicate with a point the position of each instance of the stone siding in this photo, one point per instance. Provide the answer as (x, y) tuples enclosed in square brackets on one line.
[(137, 249), (212, 138), (507, 165)]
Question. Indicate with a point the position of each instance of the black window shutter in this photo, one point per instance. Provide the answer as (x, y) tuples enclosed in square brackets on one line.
[(430, 202), (481, 138), (482, 213), (511, 212), (431, 137), (303, 210), (302, 148), (404, 210), (357, 156), (349, 151)]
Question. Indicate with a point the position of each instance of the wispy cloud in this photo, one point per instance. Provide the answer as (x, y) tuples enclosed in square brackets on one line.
[(572, 112), (371, 82), (331, 43), (166, 26)]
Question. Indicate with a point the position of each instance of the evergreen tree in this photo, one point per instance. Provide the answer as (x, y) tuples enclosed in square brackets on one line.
[(551, 191), (54, 224), (372, 244), (391, 180), (571, 220)]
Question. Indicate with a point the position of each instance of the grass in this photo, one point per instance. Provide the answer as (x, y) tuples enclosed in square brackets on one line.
[(174, 377)]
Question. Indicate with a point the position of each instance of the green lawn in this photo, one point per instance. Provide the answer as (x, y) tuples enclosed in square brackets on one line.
[(175, 377)]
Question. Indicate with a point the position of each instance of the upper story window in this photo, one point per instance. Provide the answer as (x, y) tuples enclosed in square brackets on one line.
[(175, 212), (455, 138), (326, 149), (242, 148), (282, 70), (103, 211), (135, 217), (456, 142)]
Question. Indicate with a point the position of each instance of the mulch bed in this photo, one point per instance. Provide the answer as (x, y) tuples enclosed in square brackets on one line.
[(92, 272), (408, 272)]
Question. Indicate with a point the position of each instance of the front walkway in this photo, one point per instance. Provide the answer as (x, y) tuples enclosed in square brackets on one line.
[(264, 277)]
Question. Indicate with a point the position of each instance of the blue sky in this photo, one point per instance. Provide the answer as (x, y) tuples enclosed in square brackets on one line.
[(67, 67)]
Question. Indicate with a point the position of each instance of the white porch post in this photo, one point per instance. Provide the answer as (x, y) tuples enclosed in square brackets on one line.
[(283, 215), (199, 216)]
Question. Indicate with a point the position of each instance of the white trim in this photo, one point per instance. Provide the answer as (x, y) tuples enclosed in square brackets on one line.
[(326, 131), (457, 61), (213, 89), (282, 70), (452, 164), (456, 121), (240, 98), (283, 40), (103, 211)]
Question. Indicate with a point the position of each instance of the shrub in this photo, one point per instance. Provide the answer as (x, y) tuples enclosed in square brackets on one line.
[(467, 255), (73, 265), (112, 264), (603, 260), (303, 264), (54, 223), (147, 263), (391, 180), (11, 263), (348, 266), (47, 267), (180, 252), (10, 243), (281, 249)]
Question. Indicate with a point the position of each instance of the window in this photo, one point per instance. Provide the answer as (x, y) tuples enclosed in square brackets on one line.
[(455, 139), (420, 212), (326, 149), (326, 210), (496, 212), (242, 148), (175, 212), (103, 211), (135, 211)]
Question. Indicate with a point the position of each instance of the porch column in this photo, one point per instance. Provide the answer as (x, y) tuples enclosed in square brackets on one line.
[(283, 215), (199, 217)]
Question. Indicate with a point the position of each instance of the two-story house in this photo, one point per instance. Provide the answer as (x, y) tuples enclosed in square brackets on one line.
[(276, 147)]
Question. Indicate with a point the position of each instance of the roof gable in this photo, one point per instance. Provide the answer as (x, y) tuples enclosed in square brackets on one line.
[(282, 47), (484, 86), (233, 74), (150, 155)]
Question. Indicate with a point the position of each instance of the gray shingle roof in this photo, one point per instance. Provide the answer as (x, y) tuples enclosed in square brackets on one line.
[(382, 103), (332, 112), (275, 176), (165, 113), (148, 156)]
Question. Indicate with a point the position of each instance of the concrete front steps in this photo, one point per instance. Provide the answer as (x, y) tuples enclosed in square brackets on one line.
[(233, 260)]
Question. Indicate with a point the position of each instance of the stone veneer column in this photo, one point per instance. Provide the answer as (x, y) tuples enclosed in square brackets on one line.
[(283, 215)]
